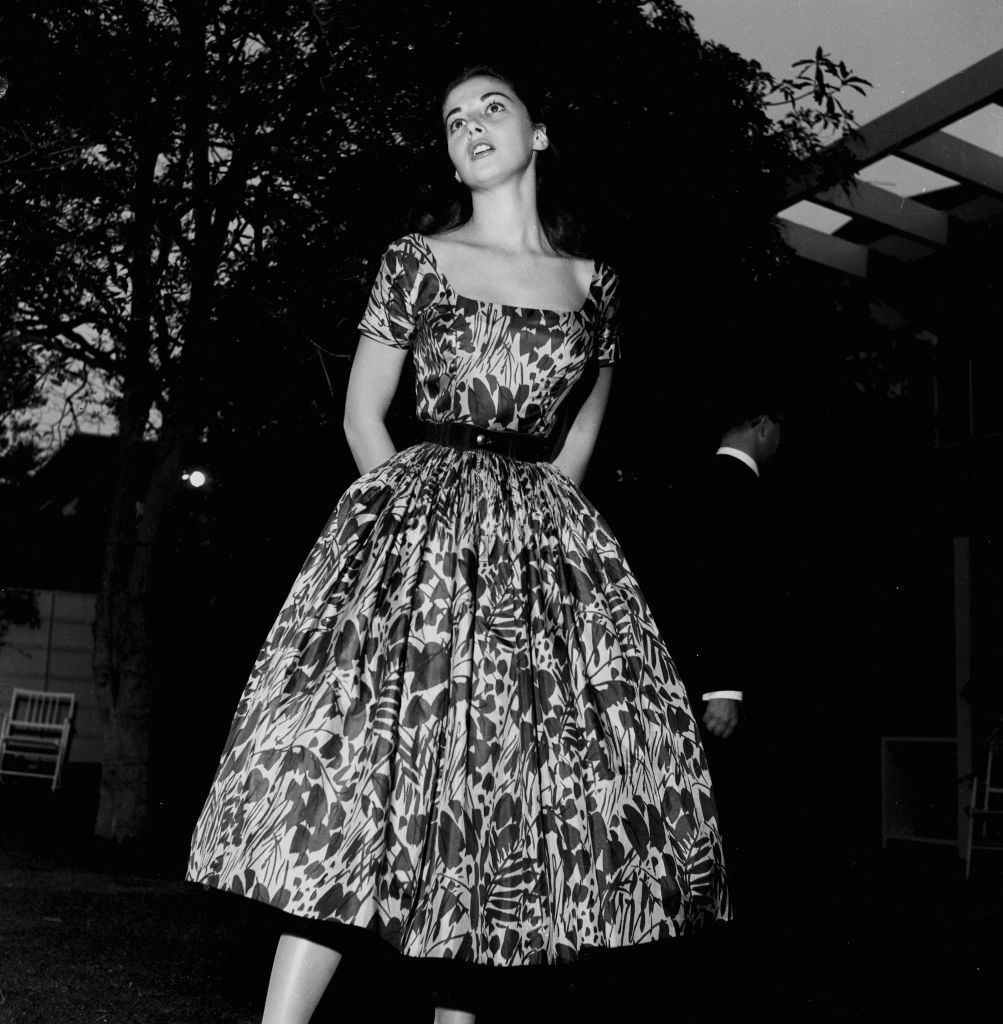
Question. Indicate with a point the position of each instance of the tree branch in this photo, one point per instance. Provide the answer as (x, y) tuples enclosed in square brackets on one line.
[(67, 341)]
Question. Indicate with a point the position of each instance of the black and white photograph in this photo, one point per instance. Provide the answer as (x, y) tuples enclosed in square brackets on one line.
[(500, 511)]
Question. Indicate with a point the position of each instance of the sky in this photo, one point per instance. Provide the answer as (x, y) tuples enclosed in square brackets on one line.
[(902, 46)]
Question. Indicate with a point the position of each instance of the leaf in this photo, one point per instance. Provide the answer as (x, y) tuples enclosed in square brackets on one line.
[(316, 805), (338, 903), (428, 665), (506, 405), (257, 787), (355, 721), (636, 829), (656, 828), (300, 840), (510, 943), (581, 585), (418, 711), (346, 648), (608, 695), (614, 569), (440, 704), (504, 812), (480, 403), (449, 840)]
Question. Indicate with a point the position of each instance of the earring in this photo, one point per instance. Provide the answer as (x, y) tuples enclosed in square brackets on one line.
[(456, 175)]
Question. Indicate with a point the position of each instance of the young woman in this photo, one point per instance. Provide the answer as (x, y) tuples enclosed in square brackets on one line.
[(464, 731)]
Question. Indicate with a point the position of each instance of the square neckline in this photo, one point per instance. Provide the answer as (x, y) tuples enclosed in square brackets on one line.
[(590, 297)]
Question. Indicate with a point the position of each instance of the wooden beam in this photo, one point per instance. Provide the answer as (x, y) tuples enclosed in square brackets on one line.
[(958, 159), (963, 727), (900, 248), (968, 90), (883, 207), (828, 250)]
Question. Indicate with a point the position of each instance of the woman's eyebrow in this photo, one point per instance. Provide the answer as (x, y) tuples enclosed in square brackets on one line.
[(494, 92)]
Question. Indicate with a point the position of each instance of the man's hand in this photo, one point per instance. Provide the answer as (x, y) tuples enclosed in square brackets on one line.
[(721, 716)]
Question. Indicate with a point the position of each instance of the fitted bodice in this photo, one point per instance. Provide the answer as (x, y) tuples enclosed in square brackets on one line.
[(485, 363)]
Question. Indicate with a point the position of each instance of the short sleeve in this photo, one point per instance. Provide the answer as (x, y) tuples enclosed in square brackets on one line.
[(608, 328), (404, 284)]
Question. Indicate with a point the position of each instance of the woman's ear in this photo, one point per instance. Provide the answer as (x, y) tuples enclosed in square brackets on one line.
[(540, 140)]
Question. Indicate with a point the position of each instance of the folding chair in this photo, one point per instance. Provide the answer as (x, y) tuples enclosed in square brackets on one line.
[(982, 815), (35, 735)]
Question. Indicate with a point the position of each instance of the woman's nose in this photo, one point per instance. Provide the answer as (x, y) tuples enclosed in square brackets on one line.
[(474, 127)]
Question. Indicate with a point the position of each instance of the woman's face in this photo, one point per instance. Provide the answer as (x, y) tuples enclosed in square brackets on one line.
[(489, 133)]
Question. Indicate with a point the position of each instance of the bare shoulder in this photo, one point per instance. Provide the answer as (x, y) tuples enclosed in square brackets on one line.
[(585, 269), (457, 236)]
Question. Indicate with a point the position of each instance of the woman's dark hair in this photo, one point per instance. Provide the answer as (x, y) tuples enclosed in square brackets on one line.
[(447, 204)]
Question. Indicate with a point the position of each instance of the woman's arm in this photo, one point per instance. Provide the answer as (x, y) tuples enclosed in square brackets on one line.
[(573, 458), (376, 371)]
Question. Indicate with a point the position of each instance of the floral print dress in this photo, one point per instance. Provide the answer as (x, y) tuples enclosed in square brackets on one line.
[(464, 731)]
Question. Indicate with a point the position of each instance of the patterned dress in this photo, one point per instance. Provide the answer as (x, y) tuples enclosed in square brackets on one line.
[(464, 731)]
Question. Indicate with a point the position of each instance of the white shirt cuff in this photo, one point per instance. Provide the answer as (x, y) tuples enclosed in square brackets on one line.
[(722, 695)]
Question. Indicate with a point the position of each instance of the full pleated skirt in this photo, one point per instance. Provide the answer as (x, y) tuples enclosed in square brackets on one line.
[(464, 731)]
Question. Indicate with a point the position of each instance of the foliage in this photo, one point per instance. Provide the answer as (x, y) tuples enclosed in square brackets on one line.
[(19, 396), (822, 81), (18, 607)]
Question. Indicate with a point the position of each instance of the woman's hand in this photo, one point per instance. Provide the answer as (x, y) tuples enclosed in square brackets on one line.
[(376, 371)]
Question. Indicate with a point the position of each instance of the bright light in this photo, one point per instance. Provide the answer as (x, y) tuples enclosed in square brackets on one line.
[(195, 478)]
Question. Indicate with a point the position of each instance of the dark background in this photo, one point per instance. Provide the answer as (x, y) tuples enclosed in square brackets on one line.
[(666, 140)]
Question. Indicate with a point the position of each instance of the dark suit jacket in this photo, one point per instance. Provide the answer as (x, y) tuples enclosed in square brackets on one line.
[(723, 600)]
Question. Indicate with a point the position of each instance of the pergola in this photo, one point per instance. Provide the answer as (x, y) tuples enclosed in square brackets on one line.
[(897, 229), (900, 251)]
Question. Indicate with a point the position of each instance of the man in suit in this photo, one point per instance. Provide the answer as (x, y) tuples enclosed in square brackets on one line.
[(733, 575), (725, 614)]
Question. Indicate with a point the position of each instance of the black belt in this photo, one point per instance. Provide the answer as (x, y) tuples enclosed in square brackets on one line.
[(525, 447)]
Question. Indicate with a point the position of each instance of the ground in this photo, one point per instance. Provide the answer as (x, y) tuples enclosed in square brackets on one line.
[(94, 935)]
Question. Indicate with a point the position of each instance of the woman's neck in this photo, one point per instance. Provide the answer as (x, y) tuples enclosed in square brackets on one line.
[(506, 218)]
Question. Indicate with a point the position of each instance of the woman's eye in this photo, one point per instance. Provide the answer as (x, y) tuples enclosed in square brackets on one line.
[(493, 106), (454, 124)]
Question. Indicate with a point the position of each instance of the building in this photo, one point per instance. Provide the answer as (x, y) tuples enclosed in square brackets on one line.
[(55, 533), (926, 269)]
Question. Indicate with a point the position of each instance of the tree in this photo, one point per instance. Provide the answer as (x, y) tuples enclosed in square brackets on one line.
[(194, 189), (19, 397)]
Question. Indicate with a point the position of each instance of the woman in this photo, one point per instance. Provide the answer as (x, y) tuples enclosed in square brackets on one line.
[(464, 732)]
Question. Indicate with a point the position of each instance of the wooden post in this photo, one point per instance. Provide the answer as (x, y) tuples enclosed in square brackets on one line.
[(48, 641), (963, 671)]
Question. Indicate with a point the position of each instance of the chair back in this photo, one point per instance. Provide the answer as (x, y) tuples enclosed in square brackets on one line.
[(35, 735), (37, 709), (994, 784)]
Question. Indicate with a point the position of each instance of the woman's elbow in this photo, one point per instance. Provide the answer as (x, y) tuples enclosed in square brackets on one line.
[(353, 427), (358, 423)]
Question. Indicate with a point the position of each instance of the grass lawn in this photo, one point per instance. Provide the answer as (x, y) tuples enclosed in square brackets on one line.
[(88, 936), (78, 946), (94, 934)]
